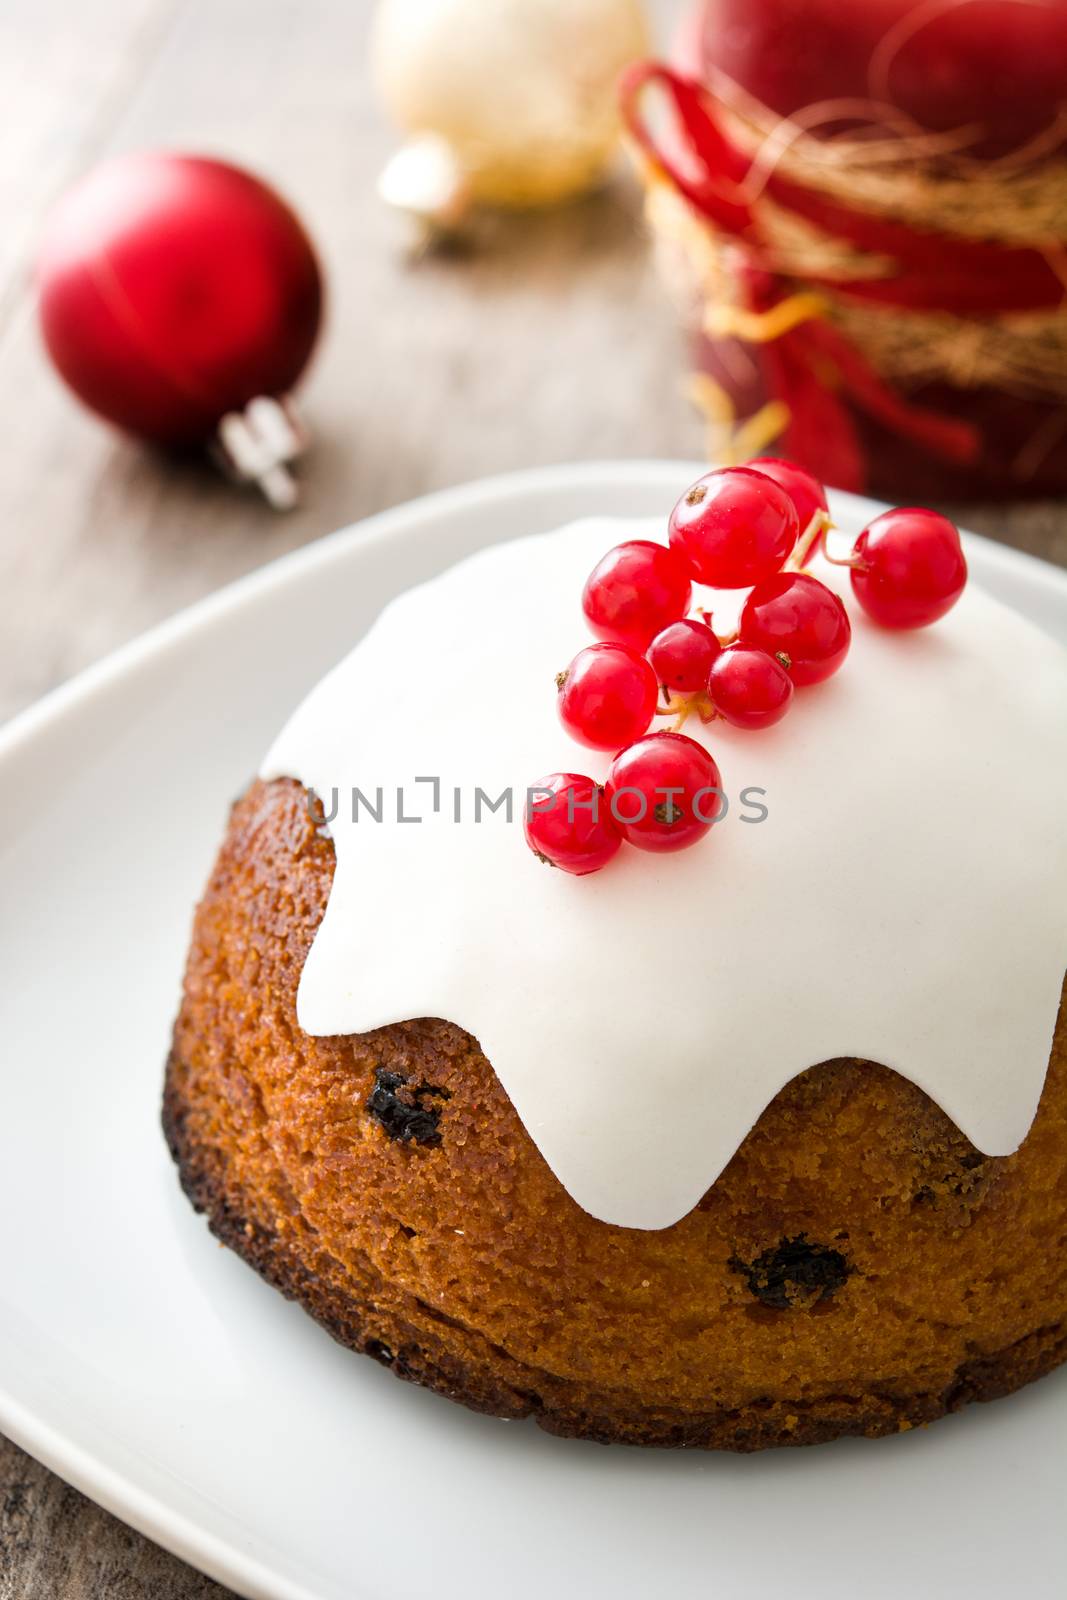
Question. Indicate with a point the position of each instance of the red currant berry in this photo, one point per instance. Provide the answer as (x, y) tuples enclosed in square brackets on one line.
[(910, 568), (568, 823), (682, 654), (749, 688), (635, 591), (607, 696), (733, 528), (806, 492), (664, 792), (797, 616)]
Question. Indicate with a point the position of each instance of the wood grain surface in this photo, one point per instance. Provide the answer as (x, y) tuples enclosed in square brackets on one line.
[(552, 341)]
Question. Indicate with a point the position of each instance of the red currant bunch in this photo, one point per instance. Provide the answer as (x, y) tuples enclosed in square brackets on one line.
[(755, 527)]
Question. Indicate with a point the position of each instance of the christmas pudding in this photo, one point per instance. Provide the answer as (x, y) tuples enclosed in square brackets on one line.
[(739, 1118)]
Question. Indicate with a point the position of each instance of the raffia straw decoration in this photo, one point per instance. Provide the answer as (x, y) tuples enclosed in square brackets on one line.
[(897, 169)]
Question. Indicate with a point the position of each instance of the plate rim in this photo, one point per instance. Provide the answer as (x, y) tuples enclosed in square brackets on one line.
[(144, 1510), (116, 1490)]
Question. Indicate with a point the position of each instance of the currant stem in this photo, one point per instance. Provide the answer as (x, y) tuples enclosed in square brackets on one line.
[(679, 711), (857, 563), (805, 546), (683, 708)]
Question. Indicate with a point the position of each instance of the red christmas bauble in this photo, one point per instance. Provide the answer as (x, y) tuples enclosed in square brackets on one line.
[(175, 289)]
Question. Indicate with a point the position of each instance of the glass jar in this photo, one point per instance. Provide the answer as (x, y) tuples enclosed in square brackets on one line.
[(871, 204)]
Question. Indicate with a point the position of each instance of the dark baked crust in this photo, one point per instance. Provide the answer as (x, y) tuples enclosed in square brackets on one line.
[(858, 1269)]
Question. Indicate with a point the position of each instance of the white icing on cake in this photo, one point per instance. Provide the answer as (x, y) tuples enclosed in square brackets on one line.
[(905, 901)]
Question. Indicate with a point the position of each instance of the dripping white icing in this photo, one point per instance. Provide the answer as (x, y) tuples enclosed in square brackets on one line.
[(904, 902)]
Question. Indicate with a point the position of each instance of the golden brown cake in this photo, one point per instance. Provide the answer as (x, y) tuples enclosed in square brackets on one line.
[(858, 1268)]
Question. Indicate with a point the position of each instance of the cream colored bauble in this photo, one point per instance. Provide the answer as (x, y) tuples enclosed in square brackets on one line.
[(507, 102)]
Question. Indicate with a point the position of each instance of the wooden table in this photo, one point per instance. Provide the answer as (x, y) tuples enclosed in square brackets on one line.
[(553, 342)]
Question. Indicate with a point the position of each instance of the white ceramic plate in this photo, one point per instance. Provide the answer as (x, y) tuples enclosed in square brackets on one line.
[(158, 1374)]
